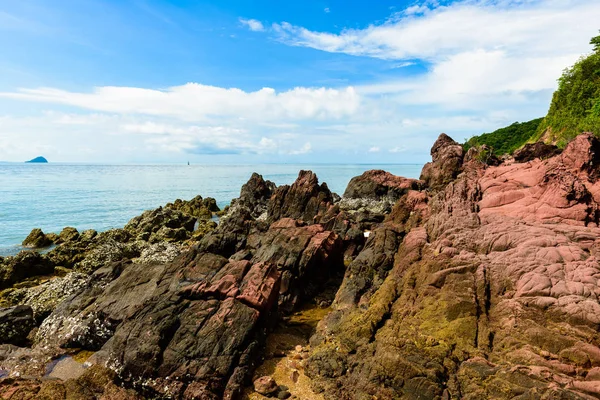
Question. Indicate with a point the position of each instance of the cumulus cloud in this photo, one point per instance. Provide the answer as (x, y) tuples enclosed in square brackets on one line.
[(194, 101), (253, 25), (482, 64), (478, 51)]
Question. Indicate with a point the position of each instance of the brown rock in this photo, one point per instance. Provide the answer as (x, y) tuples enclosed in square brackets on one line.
[(37, 239), (265, 385), (531, 151), (447, 158)]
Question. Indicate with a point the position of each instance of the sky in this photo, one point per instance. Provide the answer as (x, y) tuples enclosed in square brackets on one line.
[(257, 81)]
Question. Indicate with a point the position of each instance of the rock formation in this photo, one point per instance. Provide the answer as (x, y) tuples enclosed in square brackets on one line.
[(478, 281)]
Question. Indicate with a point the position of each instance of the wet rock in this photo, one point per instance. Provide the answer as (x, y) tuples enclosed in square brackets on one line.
[(265, 385), (531, 151), (36, 239), (15, 324)]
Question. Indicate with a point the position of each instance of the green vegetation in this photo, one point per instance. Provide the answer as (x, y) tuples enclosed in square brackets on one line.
[(575, 106), (506, 140)]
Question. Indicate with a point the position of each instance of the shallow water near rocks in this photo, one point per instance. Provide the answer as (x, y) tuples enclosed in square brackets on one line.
[(52, 196)]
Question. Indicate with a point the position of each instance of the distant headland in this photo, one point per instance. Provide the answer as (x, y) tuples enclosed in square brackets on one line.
[(39, 159)]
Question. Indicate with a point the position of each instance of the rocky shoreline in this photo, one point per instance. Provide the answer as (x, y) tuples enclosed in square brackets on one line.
[(479, 280)]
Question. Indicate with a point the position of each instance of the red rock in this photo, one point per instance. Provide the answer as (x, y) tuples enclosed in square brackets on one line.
[(260, 287)]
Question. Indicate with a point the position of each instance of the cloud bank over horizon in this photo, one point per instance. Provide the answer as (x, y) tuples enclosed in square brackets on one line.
[(464, 67)]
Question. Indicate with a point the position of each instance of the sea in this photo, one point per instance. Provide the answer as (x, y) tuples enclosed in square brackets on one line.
[(101, 197)]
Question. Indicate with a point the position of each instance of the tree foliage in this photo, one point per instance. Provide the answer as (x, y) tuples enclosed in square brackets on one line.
[(575, 106), (506, 140)]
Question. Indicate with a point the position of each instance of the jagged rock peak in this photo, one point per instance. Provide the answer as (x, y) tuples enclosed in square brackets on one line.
[(305, 199), (447, 159)]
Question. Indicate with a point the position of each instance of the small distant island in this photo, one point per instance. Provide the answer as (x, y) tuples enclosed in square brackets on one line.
[(38, 160)]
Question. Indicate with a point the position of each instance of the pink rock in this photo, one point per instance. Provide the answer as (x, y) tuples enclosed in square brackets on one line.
[(260, 286)]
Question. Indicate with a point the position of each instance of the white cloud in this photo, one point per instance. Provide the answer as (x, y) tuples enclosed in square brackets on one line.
[(253, 25), (194, 101), (398, 149), (523, 28), (485, 63), (303, 150)]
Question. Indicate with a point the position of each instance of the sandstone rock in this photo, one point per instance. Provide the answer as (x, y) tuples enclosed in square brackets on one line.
[(500, 264), (15, 324), (36, 239)]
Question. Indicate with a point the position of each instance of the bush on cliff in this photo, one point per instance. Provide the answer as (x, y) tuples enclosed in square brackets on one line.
[(506, 140), (575, 106)]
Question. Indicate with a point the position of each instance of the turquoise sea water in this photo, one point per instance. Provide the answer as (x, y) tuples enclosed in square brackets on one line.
[(52, 196)]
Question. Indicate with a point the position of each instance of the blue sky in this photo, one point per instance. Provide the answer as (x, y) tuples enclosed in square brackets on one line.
[(271, 81)]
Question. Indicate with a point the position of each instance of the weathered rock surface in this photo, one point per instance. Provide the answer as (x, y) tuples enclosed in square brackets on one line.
[(196, 207), (37, 239), (371, 195), (446, 162), (492, 295), (531, 151), (305, 199), (478, 281), (15, 324)]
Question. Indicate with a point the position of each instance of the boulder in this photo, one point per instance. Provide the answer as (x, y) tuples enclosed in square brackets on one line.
[(24, 265), (37, 239), (15, 324), (68, 234), (531, 151), (265, 385), (255, 195), (165, 223), (196, 207), (379, 185)]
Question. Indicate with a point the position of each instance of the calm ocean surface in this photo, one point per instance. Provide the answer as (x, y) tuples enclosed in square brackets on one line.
[(52, 196)]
